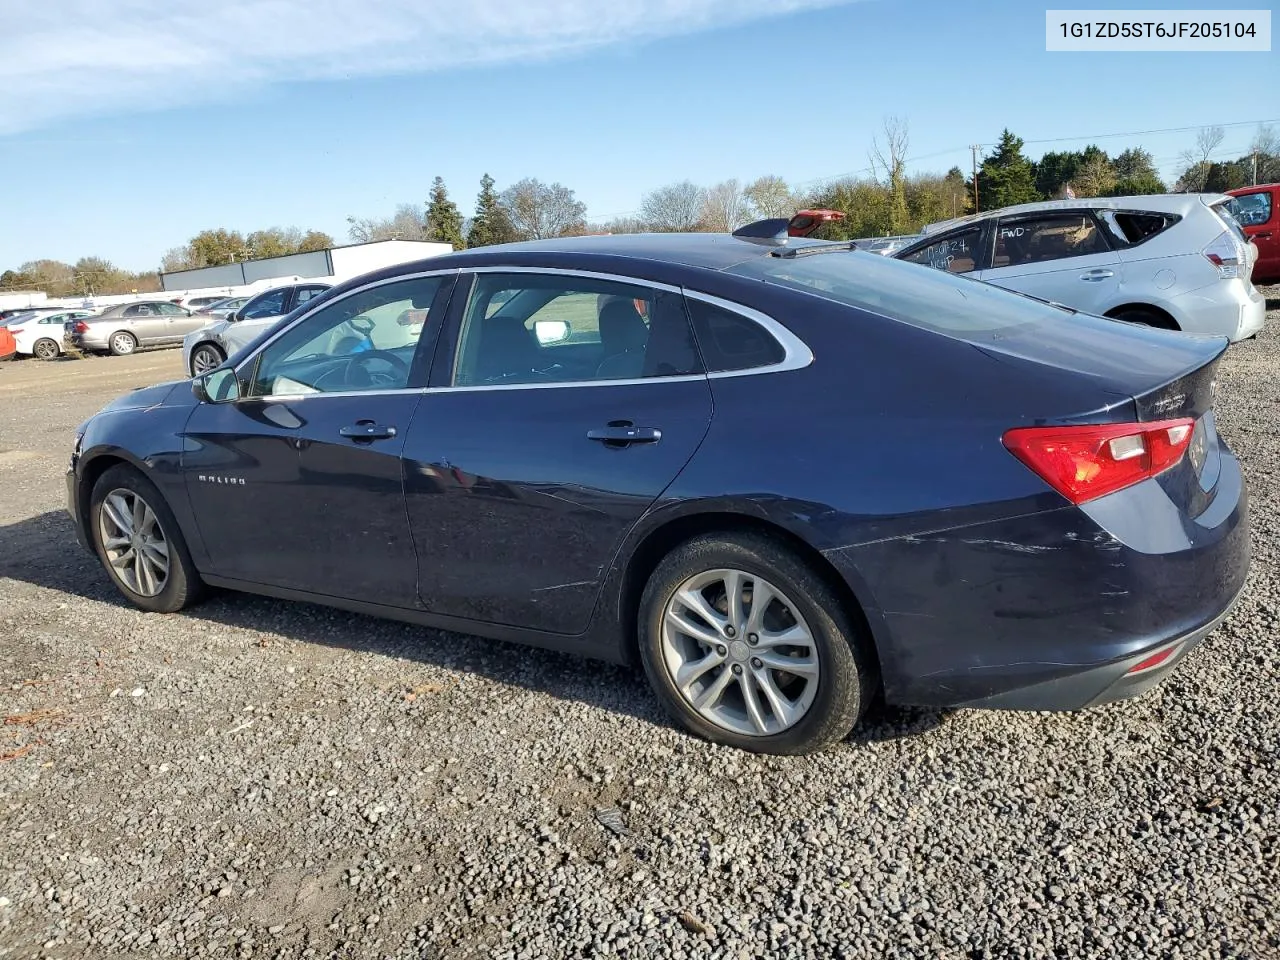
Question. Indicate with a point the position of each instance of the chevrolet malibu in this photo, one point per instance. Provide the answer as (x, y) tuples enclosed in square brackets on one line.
[(785, 477)]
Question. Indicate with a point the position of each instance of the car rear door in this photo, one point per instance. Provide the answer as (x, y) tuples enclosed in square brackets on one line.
[(1061, 256), (298, 483), (562, 405), (144, 321), (180, 322)]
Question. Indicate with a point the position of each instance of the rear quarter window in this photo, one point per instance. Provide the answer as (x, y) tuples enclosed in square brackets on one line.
[(730, 341), (1131, 227)]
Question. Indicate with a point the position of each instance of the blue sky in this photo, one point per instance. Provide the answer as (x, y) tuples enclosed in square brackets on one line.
[(149, 120)]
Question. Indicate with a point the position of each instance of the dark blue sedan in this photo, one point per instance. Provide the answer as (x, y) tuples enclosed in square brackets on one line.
[(784, 476)]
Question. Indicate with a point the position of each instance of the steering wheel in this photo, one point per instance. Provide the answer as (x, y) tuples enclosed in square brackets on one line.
[(359, 374)]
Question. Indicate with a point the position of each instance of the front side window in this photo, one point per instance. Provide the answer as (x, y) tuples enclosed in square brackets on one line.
[(268, 305), (1251, 210), (954, 253), (533, 328), (364, 341), (1046, 238)]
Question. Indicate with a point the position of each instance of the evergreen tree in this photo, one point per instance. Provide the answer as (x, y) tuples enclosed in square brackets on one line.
[(490, 224), (444, 222), (1006, 176)]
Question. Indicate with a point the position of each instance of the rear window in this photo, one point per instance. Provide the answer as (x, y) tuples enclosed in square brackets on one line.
[(931, 299), (1226, 214)]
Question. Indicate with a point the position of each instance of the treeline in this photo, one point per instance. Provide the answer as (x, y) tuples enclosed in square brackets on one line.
[(883, 200)]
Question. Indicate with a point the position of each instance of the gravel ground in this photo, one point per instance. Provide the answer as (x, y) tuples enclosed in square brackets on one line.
[(260, 779)]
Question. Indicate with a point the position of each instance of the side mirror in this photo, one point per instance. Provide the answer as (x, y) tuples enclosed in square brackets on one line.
[(551, 331), (233, 316), (220, 386)]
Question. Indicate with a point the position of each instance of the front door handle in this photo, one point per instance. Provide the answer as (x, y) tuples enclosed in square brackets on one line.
[(623, 433), (1261, 236), (1096, 275), (366, 431)]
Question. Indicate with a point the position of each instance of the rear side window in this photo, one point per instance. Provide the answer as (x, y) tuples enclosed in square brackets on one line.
[(730, 341), (1129, 227), (1042, 239)]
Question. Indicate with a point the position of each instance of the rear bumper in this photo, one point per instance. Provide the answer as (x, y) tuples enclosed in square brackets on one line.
[(1233, 309), (1121, 680), (1049, 611)]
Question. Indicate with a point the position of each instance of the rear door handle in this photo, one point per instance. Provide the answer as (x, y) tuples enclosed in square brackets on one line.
[(624, 433), (366, 431), (1261, 236), (1096, 275)]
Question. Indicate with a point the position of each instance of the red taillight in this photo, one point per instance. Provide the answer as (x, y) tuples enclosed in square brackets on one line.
[(807, 221), (82, 327), (1091, 460)]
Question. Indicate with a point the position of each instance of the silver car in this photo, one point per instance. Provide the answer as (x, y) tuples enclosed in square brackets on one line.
[(122, 329), (1180, 261), (208, 346)]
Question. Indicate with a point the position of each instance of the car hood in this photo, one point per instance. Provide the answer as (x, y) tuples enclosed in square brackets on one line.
[(159, 395)]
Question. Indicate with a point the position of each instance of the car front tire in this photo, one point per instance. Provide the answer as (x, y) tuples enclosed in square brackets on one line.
[(206, 357), (139, 543), (782, 669)]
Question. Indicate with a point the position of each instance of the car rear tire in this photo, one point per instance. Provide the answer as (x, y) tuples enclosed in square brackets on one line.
[(206, 357), (139, 543), (46, 349), (789, 677), (1146, 317), (122, 343)]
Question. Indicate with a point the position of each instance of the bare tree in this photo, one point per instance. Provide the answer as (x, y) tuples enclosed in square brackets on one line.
[(1196, 161), (770, 196), (1096, 177), (1265, 152), (889, 163), (726, 207), (538, 210), (675, 208), (407, 223)]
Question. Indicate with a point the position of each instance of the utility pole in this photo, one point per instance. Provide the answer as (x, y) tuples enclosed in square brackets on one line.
[(1255, 168), (974, 150)]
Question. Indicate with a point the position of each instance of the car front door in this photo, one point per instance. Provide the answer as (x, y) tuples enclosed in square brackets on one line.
[(1259, 216), (180, 321), (561, 407), (958, 251), (1063, 257), (297, 483)]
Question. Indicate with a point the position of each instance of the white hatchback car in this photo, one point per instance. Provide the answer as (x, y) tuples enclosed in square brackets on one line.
[(1177, 261)]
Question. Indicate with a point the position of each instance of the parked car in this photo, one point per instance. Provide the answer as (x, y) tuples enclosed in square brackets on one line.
[(40, 334), (885, 245), (223, 307), (1180, 262), (122, 329), (195, 304), (7, 345), (1257, 210), (6, 315), (207, 347), (781, 475)]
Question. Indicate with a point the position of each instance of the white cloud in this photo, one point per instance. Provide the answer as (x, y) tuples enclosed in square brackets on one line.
[(69, 58)]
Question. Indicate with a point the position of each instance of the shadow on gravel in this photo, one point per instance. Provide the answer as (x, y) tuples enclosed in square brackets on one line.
[(43, 551)]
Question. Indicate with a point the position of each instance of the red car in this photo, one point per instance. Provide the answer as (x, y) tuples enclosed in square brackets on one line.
[(1257, 210), (7, 346)]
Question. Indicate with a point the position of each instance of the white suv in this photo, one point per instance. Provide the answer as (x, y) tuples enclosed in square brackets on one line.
[(1176, 261)]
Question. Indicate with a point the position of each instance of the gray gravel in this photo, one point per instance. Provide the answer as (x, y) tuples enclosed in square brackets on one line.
[(259, 779)]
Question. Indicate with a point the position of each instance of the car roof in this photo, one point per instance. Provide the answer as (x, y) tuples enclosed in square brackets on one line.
[(1180, 203)]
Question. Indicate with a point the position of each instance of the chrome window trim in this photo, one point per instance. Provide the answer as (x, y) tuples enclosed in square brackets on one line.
[(795, 352), (312, 311)]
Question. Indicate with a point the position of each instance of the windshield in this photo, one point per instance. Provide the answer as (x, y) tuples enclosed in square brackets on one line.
[(914, 294)]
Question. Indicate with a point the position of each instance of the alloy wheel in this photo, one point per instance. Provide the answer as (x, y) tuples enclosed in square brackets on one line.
[(134, 543), (123, 343), (739, 652), (45, 349), (204, 359)]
